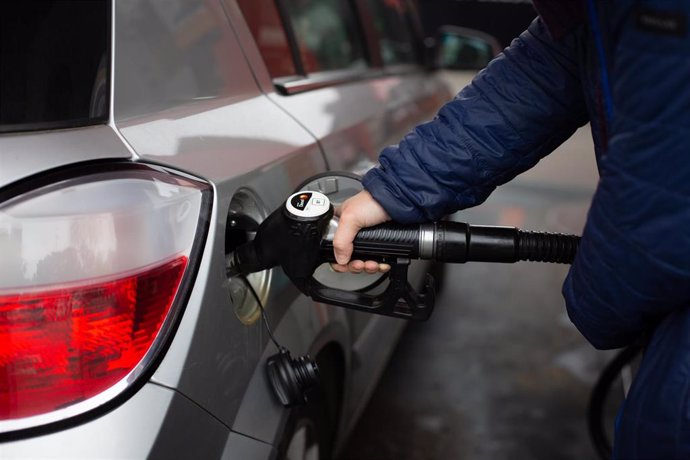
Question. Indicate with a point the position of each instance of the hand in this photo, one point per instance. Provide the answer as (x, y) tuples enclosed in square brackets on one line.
[(358, 212)]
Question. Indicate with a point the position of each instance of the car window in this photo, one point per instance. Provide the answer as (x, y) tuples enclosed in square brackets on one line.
[(326, 33), (266, 26), (396, 40), (54, 59)]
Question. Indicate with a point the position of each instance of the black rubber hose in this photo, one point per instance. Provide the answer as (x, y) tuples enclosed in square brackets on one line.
[(597, 401), (547, 247)]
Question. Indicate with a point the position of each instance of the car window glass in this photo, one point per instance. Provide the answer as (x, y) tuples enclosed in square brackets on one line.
[(267, 28), (460, 52), (395, 35), (54, 64), (326, 33)]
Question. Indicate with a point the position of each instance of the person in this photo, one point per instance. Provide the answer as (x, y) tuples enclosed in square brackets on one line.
[(624, 67)]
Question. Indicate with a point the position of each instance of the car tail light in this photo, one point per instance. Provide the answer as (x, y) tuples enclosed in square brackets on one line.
[(91, 270)]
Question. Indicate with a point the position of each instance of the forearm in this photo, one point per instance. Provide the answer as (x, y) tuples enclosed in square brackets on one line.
[(523, 105)]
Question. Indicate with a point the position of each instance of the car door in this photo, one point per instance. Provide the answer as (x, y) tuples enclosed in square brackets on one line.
[(356, 86)]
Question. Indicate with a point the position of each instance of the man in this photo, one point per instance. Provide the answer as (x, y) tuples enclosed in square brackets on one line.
[(624, 67)]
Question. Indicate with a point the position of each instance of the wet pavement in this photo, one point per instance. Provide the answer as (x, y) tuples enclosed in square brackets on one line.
[(498, 372)]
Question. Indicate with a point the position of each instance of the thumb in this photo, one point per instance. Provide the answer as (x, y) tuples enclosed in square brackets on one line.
[(342, 240)]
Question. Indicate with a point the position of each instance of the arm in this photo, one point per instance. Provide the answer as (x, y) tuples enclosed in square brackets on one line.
[(633, 266), (522, 106)]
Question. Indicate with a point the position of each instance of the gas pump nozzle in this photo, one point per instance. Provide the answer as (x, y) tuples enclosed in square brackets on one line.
[(299, 237)]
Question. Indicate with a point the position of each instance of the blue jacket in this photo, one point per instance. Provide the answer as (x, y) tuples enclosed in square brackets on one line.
[(632, 272)]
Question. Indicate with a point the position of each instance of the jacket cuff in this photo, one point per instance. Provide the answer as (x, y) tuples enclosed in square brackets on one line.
[(396, 207)]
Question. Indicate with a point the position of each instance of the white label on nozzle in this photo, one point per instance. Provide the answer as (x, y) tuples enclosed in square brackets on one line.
[(308, 204)]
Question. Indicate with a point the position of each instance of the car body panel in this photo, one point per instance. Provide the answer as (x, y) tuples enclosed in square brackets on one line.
[(259, 414), (354, 121), (154, 423), (25, 154), (174, 52)]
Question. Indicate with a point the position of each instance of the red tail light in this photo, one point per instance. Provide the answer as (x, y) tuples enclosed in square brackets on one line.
[(90, 270), (66, 344)]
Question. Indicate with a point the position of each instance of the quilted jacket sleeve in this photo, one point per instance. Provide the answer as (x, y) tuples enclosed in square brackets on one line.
[(633, 266), (522, 106)]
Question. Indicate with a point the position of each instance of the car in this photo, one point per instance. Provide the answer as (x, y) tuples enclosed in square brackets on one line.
[(141, 141)]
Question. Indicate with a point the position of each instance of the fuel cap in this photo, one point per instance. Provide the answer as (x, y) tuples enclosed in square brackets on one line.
[(292, 378)]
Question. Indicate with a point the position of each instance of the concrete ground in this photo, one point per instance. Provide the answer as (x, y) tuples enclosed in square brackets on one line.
[(498, 372)]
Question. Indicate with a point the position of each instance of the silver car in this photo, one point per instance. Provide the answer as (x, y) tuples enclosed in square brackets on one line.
[(140, 142)]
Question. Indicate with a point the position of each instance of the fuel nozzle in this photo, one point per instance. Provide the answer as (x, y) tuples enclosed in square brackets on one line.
[(289, 237)]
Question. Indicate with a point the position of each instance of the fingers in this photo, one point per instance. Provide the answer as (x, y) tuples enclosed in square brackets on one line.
[(358, 266), (371, 267), (339, 268), (354, 266)]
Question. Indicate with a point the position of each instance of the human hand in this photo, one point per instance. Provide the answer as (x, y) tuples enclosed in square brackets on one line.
[(358, 212)]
